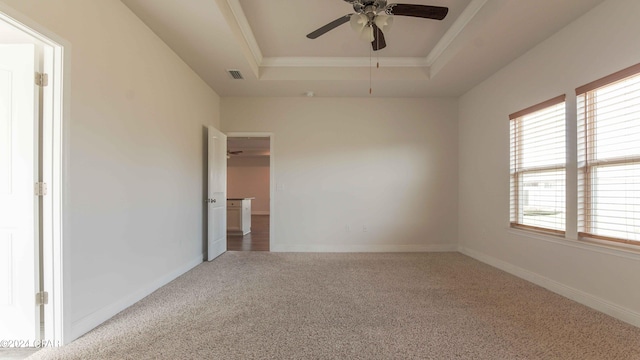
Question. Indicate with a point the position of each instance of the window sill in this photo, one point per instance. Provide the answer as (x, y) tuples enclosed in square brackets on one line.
[(537, 230), (622, 246), (604, 247)]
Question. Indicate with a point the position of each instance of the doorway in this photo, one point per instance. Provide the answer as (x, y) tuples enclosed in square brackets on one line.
[(30, 184), (249, 183)]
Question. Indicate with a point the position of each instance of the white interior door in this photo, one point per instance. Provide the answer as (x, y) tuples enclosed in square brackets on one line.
[(19, 315), (217, 194)]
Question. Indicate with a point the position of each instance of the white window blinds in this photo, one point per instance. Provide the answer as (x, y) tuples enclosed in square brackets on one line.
[(609, 157), (538, 157)]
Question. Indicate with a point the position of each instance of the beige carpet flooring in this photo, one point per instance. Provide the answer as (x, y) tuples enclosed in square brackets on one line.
[(257, 305)]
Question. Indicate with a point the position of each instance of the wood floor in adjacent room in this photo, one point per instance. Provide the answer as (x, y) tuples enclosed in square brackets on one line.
[(256, 240)]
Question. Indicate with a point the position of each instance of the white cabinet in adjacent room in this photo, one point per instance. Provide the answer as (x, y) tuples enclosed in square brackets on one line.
[(239, 216)]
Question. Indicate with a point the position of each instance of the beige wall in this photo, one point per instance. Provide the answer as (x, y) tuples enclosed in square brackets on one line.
[(388, 166), (248, 176), (601, 42), (136, 158)]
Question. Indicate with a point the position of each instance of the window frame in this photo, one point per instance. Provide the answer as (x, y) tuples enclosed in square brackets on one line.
[(517, 174), (587, 160)]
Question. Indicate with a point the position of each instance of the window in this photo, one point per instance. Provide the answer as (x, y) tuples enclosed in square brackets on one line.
[(609, 157), (538, 167)]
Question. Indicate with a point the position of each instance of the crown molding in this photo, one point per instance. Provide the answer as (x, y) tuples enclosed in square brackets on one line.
[(456, 28), (245, 29), (341, 62)]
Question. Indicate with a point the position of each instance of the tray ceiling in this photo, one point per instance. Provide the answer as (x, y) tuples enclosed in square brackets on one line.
[(266, 41)]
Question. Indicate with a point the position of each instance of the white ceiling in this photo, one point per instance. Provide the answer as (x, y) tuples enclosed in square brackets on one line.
[(266, 41)]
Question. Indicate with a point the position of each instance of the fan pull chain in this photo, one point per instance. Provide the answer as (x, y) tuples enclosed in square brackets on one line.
[(371, 61), (370, 66), (378, 52)]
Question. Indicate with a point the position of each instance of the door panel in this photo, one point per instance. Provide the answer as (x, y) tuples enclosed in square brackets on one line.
[(19, 315), (217, 190)]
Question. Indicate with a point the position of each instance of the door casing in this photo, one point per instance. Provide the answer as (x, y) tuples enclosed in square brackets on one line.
[(55, 106)]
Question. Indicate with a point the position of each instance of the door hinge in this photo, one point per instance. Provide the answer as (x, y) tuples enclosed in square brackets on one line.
[(42, 79), (40, 189), (42, 298)]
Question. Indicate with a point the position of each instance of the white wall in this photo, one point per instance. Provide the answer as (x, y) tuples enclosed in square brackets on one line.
[(601, 42), (389, 165), (248, 176), (136, 158)]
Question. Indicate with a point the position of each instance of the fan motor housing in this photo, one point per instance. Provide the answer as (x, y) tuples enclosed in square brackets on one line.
[(367, 6)]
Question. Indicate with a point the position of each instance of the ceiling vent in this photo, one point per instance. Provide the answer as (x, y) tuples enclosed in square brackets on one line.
[(235, 74)]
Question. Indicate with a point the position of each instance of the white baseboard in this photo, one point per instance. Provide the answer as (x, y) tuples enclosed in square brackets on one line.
[(260, 212), (362, 248), (590, 300), (89, 322)]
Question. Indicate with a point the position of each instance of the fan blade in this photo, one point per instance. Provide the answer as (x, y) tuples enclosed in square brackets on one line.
[(330, 26), (378, 42), (421, 11)]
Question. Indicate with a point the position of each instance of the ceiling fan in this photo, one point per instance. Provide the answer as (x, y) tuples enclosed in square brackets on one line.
[(373, 17), (229, 153)]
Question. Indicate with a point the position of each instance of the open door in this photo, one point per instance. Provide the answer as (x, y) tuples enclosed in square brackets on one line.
[(18, 203), (217, 194)]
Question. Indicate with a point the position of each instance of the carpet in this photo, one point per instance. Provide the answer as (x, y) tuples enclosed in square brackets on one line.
[(258, 305)]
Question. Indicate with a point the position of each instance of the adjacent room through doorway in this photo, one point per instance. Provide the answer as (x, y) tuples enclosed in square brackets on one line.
[(248, 193)]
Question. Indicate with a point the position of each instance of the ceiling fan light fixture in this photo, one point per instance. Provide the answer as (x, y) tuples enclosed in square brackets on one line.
[(383, 22), (360, 24), (366, 34)]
